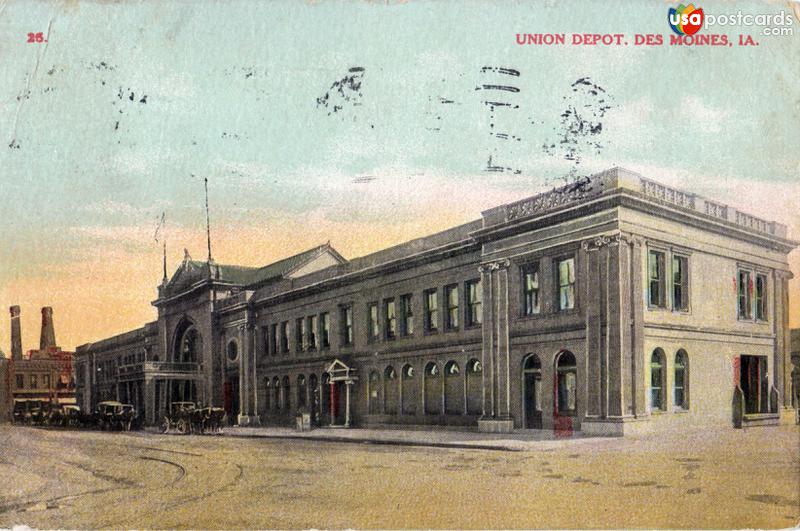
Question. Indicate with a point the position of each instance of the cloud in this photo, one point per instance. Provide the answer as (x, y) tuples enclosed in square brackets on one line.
[(707, 118)]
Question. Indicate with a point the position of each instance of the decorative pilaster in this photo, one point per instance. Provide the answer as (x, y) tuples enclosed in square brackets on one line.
[(612, 288), (496, 351), (782, 376)]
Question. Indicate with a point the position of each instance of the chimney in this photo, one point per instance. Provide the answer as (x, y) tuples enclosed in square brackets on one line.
[(48, 337), (16, 334)]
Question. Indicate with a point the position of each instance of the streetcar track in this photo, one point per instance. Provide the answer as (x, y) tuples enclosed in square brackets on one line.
[(181, 469)]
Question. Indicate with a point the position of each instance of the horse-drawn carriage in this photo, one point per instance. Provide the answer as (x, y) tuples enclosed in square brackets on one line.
[(186, 418), (114, 415)]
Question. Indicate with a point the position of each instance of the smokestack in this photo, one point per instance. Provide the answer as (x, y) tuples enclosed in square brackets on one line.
[(48, 337), (16, 334)]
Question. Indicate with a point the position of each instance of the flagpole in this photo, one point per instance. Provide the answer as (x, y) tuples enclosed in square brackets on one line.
[(208, 223)]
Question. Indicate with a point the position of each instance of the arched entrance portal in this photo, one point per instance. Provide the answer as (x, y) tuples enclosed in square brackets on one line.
[(532, 391)]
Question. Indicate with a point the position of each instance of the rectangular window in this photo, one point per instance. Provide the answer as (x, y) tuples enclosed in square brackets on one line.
[(373, 325), (431, 310), (451, 297), (301, 334), (390, 318), (655, 268), (311, 326), (745, 288), (761, 297), (326, 329), (474, 302), (46, 381), (20, 381), (566, 284), (266, 341), (680, 283), (285, 337), (530, 289), (407, 321), (34, 381), (274, 340), (347, 325)]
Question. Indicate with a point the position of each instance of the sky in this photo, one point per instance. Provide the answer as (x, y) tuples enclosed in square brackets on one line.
[(359, 123)]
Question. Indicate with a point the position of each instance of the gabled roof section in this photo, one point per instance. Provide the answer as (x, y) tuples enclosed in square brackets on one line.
[(193, 271)]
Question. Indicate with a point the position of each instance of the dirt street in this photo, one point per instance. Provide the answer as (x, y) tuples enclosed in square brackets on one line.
[(86, 479)]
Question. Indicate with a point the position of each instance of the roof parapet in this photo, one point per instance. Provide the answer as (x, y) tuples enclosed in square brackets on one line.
[(620, 178)]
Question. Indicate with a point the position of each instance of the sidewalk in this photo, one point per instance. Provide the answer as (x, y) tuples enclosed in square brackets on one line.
[(519, 440)]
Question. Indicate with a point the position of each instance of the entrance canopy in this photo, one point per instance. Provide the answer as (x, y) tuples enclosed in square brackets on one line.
[(339, 371)]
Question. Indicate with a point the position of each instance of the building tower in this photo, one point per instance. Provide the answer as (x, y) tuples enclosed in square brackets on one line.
[(16, 334)]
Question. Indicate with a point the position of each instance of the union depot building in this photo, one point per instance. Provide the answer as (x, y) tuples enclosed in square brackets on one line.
[(611, 305)]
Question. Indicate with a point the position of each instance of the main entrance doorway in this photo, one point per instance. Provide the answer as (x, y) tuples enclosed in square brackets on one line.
[(340, 380), (532, 392), (754, 383)]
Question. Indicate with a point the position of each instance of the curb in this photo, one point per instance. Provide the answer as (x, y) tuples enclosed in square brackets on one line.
[(385, 442)]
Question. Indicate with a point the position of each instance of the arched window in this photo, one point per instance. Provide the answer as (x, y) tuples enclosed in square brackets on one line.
[(433, 390), (286, 388), (473, 375), (566, 384), (373, 393), (325, 399), (409, 397), (453, 389), (301, 391), (232, 351), (390, 400), (657, 376), (276, 393), (313, 392), (680, 394), (267, 394), (188, 343)]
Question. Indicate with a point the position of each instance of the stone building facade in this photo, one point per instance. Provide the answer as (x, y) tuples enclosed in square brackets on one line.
[(611, 305)]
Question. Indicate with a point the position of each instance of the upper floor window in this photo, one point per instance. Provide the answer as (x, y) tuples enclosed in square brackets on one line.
[(275, 340), (373, 325), (46, 381), (566, 284), (680, 283), (451, 317), (285, 337), (34, 381), (655, 276), (474, 302), (301, 334), (745, 290), (347, 325), (761, 297), (390, 318), (407, 320), (311, 324), (431, 310), (326, 330), (530, 289), (20, 381)]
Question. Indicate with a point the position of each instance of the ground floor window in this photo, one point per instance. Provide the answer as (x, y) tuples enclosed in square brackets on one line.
[(657, 375), (680, 381)]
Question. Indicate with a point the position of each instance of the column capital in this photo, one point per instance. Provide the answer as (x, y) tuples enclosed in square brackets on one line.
[(604, 240), (496, 265)]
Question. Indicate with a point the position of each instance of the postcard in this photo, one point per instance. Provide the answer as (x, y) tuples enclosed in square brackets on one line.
[(348, 264)]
